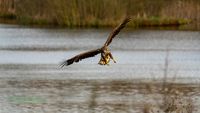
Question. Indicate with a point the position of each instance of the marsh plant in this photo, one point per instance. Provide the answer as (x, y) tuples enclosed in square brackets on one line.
[(175, 98), (95, 13)]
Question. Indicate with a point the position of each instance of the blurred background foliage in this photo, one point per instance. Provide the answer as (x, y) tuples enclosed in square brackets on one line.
[(96, 13)]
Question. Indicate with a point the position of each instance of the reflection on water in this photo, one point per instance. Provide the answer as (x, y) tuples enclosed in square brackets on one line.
[(83, 96), (29, 66), (139, 53), (19, 38)]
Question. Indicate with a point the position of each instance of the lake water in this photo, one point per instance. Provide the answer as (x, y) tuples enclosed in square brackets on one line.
[(30, 58), (139, 53)]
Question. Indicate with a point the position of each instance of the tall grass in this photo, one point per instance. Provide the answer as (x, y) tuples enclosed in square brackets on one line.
[(101, 12)]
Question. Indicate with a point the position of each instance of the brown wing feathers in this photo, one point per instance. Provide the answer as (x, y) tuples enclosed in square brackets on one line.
[(81, 56), (117, 30), (92, 53)]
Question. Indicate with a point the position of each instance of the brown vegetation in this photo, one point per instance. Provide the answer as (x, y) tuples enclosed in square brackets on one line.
[(94, 13)]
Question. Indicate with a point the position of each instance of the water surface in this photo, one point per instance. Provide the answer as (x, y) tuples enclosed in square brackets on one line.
[(139, 53), (30, 58)]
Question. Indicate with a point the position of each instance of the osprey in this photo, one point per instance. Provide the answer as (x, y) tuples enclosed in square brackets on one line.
[(105, 52)]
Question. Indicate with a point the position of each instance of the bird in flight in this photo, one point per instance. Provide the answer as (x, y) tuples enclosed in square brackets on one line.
[(105, 52)]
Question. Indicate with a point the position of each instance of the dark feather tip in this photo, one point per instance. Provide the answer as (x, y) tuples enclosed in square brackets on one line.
[(65, 63)]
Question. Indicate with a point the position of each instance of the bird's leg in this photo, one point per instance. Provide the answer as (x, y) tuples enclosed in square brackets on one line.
[(103, 56), (112, 58)]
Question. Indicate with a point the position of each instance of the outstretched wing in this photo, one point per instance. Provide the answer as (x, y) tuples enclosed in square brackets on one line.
[(81, 56), (117, 30)]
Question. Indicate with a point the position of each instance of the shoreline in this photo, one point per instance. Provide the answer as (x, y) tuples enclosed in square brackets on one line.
[(136, 23)]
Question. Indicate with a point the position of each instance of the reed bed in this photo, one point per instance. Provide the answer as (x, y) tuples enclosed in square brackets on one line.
[(100, 13)]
